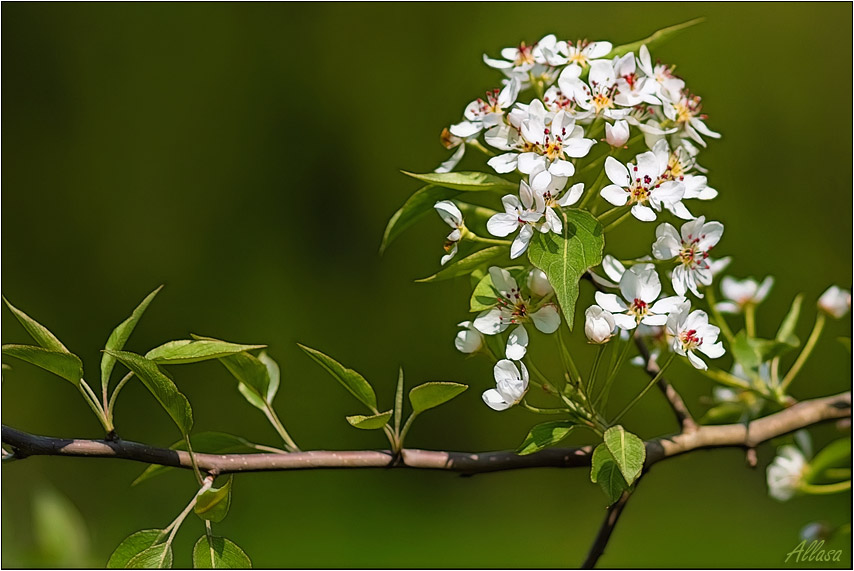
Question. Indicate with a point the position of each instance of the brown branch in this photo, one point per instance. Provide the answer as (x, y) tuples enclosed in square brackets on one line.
[(605, 531), (800, 415), (680, 409)]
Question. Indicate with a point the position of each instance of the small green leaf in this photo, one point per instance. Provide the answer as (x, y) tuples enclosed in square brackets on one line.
[(352, 381), (751, 352), (723, 413), (219, 553), (628, 451), (252, 374), (432, 394), (60, 363), (470, 181), (465, 266), (155, 557), (209, 442), (656, 39), (420, 203), (372, 422), (606, 473), (195, 350), (567, 256), (213, 504), (786, 333), (273, 375), (484, 295), (836, 454), (120, 335), (133, 545), (545, 434), (161, 386), (37, 331)]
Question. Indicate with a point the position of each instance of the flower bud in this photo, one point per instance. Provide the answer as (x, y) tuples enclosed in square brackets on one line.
[(617, 135), (469, 339), (598, 324), (538, 283), (835, 302)]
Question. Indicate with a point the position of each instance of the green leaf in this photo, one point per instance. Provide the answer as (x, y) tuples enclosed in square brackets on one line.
[(545, 434), (252, 374), (836, 454), (155, 557), (219, 553), (120, 335), (60, 363), (566, 257), (209, 442), (161, 386), (273, 375), (786, 333), (470, 181), (464, 266), (195, 350), (420, 203), (656, 39), (37, 331), (606, 473), (484, 295), (133, 545), (372, 422), (432, 394), (752, 352), (213, 504), (627, 450), (352, 381)]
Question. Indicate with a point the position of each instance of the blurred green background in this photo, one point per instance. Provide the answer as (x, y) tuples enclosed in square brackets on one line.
[(247, 156)]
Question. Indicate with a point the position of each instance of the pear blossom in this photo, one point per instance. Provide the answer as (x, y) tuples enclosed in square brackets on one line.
[(598, 95), (633, 88), (835, 301), (583, 53), (511, 383), (692, 332), (679, 163), (538, 283), (618, 134), (786, 473), (469, 339), (518, 215), (640, 287), (690, 247), (599, 325), (515, 60), (639, 185), (453, 218), (550, 198), (739, 293), (511, 308), (556, 100), (685, 113), (667, 87), (483, 114)]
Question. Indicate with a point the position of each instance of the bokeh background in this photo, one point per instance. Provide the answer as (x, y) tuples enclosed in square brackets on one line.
[(247, 156)]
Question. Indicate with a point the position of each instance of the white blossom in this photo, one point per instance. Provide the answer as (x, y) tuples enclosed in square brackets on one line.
[(453, 218), (835, 301), (639, 185), (510, 385), (599, 325), (640, 287), (550, 198), (583, 53), (518, 215), (469, 339), (738, 293), (483, 114), (690, 247), (786, 472), (692, 332)]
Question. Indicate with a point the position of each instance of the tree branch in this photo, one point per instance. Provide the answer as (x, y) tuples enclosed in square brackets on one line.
[(680, 409), (605, 531), (798, 416)]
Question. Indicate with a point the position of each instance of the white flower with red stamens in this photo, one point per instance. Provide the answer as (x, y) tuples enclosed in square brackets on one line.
[(486, 113), (512, 308), (640, 186), (453, 218), (516, 60), (511, 384), (550, 198), (667, 86), (835, 302), (597, 95), (690, 247), (738, 293), (550, 52), (640, 287), (518, 215), (613, 268), (469, 339), (686, 114), (633, 88), (583, 53), (556, 100), (692, 333), (679, 163)]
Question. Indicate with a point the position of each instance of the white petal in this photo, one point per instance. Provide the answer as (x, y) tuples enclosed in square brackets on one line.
[(465, 129), (572, 195), (546, 319), (610, 302), (617, 172), (520, 244), (643, 213), (616, 195), (503, 163), (502, 224), (494, 400), (562, 168), (449, 212), (624, 321), (491, 322), (517, 343)]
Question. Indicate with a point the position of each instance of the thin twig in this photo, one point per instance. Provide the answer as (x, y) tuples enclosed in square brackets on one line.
[(605, 531), (680, 409)]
